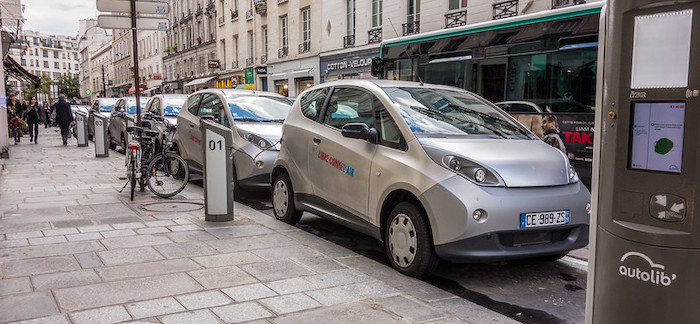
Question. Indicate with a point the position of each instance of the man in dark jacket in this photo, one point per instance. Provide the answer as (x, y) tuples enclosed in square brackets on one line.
[(64, 117)]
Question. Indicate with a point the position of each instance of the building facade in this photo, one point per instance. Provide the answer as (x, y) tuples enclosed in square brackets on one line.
[(122, 61), (90, 39), (49, 55), (190, 46), (151, 44), (102, 72)]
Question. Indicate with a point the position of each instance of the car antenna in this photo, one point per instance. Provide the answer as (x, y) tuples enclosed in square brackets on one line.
[(415, 73)]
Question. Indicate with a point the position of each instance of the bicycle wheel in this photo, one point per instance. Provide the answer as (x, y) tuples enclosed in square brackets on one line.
[(132, 175), (167, 177)]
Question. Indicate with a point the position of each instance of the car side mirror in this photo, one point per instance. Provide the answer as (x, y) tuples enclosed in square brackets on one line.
[(360, 131), (210, 118)]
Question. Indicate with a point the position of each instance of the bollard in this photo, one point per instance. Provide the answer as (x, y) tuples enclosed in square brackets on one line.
[(81, 129), (101, 140), (218, 172)]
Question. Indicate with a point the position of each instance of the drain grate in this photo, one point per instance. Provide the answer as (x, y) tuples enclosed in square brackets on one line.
[(172, 206)]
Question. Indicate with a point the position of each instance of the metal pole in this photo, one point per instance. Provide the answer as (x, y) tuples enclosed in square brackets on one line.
[(104, 88), (136, 61)]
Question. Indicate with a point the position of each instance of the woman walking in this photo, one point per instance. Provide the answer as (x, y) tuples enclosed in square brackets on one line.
[(14, 123), (34, 113)]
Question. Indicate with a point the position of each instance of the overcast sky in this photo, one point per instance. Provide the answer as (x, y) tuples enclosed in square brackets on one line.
[(57, 17)]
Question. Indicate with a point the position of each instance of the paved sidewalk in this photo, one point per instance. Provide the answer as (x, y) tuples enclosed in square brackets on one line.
[(75, 250)]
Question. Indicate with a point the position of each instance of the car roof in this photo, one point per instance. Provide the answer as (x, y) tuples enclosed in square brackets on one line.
[(226, 92), (171, 96), (388, 84)]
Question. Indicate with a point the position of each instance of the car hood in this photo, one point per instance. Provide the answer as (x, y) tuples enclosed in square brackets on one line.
[(270, 131), (520, 163)]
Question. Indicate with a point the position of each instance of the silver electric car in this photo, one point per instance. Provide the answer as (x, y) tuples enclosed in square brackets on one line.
[(123, 115), (163, 109), (102, 106), (255, 119), (433, 171)]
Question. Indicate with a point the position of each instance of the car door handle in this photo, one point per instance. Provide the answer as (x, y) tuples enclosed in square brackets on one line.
[(317, 140)]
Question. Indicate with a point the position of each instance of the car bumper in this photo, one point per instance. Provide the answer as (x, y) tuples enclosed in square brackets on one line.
[(458, 237), (253, 177)]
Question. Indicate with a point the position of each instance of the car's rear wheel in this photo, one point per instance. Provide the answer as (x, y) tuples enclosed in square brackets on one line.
[(408, 241), (283, 200)]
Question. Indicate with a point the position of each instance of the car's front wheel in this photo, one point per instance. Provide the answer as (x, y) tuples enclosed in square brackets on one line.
[(283, 200), (408, 241)]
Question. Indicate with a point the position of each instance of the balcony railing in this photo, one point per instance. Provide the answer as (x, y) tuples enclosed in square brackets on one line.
[(349, 41), (249, 14), (411, 28), (565, 3), (304, 47), (249, 61), (221, 20), (505, 9), (282, 52), (263, 59), (375, 35), (455, 19), (234, 14)]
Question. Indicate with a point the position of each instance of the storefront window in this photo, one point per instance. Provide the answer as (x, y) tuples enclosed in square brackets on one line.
[(282, 87), (304, 83)]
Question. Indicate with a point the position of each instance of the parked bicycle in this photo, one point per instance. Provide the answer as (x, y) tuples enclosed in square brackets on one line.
[(165, 173)]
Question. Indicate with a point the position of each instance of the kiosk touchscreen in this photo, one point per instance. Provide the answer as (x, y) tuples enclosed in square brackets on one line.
[(645, 247)]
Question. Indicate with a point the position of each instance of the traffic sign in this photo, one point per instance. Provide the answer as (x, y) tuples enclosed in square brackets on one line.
[(124, 22), (142, 7)]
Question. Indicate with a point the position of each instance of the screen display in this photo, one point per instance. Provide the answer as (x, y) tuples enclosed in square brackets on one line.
[(657, 136)]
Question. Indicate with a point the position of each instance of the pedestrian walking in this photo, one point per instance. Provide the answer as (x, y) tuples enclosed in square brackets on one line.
[(14, 123), (34, 113), (64, 117), (47, 114)]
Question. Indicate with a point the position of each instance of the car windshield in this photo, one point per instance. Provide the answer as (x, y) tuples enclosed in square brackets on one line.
[(131, 106), (173, 106), (107, 104), (258, 108), (445, 112)]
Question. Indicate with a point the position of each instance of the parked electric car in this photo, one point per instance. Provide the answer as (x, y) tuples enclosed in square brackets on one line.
[(101, 106), (255, 119), (122, 116), (433, 171), (163, 109)]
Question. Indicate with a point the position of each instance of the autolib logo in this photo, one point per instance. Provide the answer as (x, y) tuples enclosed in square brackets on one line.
[(655, 274)]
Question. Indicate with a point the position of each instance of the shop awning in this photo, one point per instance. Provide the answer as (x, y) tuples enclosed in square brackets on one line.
[(199, 81), (15, 69), (301, 73)]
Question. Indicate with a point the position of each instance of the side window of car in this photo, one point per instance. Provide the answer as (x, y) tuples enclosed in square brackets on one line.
[(212, 105), (96, 106), (349, 105), (389, 132), (312, 103), (118, 106), (193, 104), (155, 107)]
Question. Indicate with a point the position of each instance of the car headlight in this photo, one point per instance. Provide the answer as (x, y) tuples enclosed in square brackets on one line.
[(258, 141), (471, 170), (573, 176)]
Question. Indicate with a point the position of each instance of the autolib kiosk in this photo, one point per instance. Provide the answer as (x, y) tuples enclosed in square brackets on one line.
[(101, 138), (218, 171), (81, 128), (646, 228)]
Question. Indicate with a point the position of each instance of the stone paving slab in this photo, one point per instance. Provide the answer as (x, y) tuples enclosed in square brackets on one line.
[(75, 250)]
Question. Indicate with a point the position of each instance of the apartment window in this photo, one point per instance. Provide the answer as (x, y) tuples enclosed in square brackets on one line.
[(283, 32), (63, 56), (306, 25), (223, 52), (76, 67), (64, 65), (45, 53), (46, 64), (251, 45), (37, 63), (235, 52), (376, 13), (31, 63), (412, 11), (36, 52), (24, 62), (264, 40), (55, 54), (350, 17), (458, 4), (56, 65), (75, 56)]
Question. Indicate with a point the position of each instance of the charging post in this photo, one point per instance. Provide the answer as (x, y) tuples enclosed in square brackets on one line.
[(645, 238), (218, 171)]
